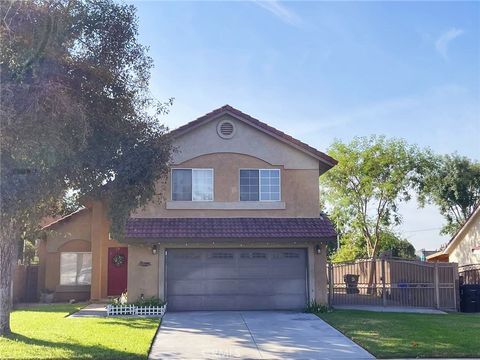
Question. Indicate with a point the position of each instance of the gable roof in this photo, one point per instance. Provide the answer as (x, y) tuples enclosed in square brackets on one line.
[(63, 219), (327, 161), (458, 235)]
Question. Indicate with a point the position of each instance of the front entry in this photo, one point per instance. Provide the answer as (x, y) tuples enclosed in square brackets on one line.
[(117, 270)]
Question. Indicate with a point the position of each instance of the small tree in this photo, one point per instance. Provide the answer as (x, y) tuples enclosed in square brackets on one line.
[(452, 182), (76, 114), (373, 174)]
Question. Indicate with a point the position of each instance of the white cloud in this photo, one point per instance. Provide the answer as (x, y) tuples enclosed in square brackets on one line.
[(445, 39), (280, 11)]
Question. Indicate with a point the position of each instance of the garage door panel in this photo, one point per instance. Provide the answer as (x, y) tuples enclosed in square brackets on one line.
[(236, 279)]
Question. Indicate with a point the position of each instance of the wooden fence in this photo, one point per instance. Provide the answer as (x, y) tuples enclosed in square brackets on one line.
[(392, 282), (469, 274), (25, 283)]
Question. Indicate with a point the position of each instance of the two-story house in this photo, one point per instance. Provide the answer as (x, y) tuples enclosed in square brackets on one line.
[(236, 225)]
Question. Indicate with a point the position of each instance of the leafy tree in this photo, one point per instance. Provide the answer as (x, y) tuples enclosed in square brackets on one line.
[(363, 191), (452, 182), (76, 114), (353, 247)]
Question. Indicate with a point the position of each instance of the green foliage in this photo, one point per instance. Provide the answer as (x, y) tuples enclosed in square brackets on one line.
[(452, 182), (152, 301), (315, 308), (353, 246), (76, 114), (363, 191)]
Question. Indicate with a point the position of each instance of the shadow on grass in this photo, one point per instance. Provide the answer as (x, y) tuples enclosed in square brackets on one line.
[(78, 351), (135, 323), (53, 308)]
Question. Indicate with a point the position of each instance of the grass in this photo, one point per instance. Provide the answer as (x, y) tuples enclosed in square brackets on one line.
[(44, 332), (400, 335)]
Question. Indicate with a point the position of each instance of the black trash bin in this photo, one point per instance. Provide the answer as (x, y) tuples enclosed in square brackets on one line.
[(351, 282), (470, 298)]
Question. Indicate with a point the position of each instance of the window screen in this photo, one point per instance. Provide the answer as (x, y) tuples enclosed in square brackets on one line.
[(192, 184), (270, 185)]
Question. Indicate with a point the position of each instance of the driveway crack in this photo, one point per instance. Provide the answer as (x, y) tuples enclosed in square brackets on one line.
[(251, 335)]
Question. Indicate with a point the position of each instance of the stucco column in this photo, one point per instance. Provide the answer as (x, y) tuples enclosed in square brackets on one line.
[(97, 233), (320, 265)]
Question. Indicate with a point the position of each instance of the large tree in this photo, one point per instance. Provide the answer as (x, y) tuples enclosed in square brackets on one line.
[(363, 191), (452, 182), (75, 114)]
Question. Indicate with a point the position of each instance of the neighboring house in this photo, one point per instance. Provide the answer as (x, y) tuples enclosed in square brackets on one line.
[(464, 247), (235, 226)]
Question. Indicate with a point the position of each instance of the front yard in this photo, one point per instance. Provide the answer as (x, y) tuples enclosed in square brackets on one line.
[(400, 335), (44, 332)]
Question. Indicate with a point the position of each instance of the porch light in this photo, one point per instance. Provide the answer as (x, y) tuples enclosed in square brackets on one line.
[(154, 249), (318, 249)]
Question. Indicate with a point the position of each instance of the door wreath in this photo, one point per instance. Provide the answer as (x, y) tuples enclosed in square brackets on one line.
[(118, 260)]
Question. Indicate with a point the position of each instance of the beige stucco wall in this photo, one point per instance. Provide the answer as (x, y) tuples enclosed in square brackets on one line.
[(85, 231), (247, 140), (142, 279), (320, 268), (299, 190), (462, 253)]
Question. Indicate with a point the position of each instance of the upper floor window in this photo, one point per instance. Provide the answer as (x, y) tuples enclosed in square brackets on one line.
[(260, 185), (192, 184)]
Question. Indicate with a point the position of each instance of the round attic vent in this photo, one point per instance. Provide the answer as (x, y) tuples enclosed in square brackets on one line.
[(226, 129)]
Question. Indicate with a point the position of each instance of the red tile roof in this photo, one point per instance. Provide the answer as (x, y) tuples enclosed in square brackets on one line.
[(211, 228), (280, 134)]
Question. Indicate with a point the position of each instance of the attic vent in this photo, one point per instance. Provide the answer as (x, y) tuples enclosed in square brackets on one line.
[(226, 129)]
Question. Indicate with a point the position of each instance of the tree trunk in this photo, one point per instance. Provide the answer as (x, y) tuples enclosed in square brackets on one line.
[(8, 254), (372, 285)]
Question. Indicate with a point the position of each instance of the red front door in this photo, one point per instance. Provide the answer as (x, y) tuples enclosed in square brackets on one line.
[(117, 270)]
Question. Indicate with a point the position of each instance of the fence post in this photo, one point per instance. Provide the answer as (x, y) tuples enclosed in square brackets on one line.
[(384, 293), (436, 286), (330, 284)]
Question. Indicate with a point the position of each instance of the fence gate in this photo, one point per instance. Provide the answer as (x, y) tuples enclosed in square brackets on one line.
[(392, 282)]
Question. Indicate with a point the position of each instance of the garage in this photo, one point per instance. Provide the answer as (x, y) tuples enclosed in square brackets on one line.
[(236, 279)]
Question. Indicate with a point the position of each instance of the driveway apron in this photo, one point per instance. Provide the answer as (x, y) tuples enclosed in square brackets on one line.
[(251, 335)]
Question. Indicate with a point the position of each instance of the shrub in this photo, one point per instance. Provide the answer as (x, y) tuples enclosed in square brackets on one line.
[(314, 307)]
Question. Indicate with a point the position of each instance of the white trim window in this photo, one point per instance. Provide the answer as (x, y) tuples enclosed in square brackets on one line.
[(260, 185), (75, 268), (192, 184)]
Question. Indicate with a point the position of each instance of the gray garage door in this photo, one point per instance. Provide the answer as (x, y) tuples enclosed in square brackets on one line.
[(236, 279)]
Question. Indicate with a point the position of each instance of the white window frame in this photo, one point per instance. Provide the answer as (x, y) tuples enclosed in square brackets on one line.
[(259, 187), (75, 252), (193, 169)]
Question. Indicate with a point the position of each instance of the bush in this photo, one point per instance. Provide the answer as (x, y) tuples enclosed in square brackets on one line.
[(314, 307), (153, 301)]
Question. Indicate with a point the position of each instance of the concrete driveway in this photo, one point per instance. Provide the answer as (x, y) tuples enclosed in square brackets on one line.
[(251, 335)]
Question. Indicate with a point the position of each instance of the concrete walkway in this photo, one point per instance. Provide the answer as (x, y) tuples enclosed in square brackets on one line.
[(396, 309), (92, 310), (251, 335)]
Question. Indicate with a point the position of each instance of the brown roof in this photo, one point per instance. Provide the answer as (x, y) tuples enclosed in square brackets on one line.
[(214, 228), (227, 109)]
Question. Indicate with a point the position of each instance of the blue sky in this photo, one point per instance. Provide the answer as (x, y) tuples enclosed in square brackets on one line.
[(326, 70)]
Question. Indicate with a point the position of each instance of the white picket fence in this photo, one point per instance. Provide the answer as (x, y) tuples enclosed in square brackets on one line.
[(132, 310)]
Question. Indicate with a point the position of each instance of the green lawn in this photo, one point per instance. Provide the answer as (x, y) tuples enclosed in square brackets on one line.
[(45, 333), (388, 335)]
